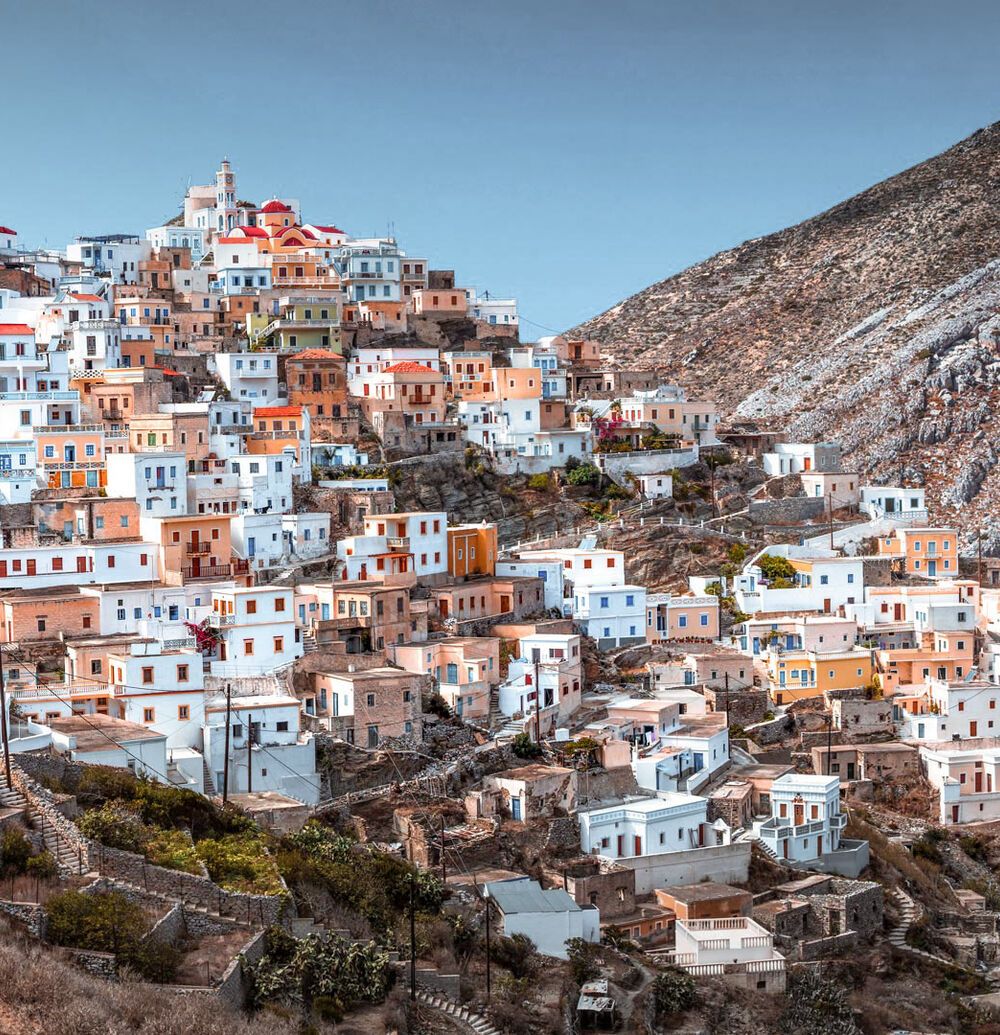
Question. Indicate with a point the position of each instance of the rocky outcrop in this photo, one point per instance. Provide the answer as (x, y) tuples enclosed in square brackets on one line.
[(875, 323)]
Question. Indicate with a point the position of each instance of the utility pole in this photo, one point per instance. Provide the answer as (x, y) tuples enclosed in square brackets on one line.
[(3, 708), (829, 739), (727, 698), (489, 969), (444, 872), (413, 936), (225, 763), (538, 706), (829, 497), (979, 565), (249, 753)]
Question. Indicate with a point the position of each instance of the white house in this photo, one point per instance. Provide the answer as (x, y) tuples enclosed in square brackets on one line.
[(736, 948), (966, 775), (256, 630), (267, 749), (156, 481), (670, 822), (614, 616), (248, 375), (549, 918), (103, 740), (192, 237), (658, 486), (796, 457), (307, 535), (550, 572), (896, 502), (806, 821), (18, 471)]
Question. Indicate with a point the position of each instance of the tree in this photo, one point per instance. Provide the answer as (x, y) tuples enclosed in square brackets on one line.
[(583, 474), (524, 747), (673, 992), (777, 570)]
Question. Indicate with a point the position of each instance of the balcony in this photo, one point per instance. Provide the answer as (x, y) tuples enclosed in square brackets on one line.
[(16, 474), (112, 414), (207, 571), (66, 429), (97, 325), (198, 549), (39, 396), (218, 620), (240, 567), (398, 542)]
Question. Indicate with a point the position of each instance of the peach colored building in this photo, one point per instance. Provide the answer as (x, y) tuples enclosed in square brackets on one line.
[(471, 374), (946, 655), (316, 378), (931, 552), (439, 302), (71, 455), (464, 668), (514, 383), (181, 431), (408, 388), (197, 546), (47, 614), (472, 549), (670, 617)]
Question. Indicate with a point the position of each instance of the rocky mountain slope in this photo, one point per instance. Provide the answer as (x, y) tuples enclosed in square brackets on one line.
[(876, 323)]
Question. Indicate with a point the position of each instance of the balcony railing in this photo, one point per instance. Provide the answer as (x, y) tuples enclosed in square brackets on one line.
[(240, 567), (398, 542), (198, 549), (216, 619), (39, 396), (65, 429), (207, 571), (98, 325)]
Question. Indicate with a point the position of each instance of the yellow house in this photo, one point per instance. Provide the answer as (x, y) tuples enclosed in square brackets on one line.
[(794, 675), (302, 322)]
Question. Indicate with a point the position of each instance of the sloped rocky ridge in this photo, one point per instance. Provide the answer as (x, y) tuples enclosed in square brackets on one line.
[(876, 323)]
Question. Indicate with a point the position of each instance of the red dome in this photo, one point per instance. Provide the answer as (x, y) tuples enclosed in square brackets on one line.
[(275, 206)]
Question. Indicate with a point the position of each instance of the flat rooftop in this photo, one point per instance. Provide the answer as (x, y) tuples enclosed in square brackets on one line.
[(704, 892), (99, 732)]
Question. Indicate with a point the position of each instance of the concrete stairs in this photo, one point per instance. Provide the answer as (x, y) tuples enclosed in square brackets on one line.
[(476, 1022), (309, 644), (192, 907), (207, 777), (510, 729)]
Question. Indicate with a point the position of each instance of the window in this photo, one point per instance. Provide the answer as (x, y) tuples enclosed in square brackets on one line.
[(370, 700), (248, 648), (182, 673), (183, 711), (279, 603), (251, 607), (279, 644), (148, 714)]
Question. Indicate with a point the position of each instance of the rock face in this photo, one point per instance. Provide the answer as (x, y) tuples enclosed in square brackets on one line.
[(876, 324)]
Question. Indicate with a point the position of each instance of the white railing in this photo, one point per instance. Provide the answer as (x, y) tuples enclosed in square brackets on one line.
[(39, 396)]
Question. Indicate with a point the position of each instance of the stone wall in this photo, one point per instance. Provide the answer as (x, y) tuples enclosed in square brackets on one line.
[(746, 707), (170, 928), (100, 964), (30, 915), (831, 945), (771, 732), (791, 510), (235, 984), (729, 864)]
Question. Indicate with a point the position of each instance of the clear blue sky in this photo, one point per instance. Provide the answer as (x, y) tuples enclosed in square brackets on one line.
[(567, 152)]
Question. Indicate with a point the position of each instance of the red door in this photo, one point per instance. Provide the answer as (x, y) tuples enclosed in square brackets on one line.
[(638, 845), (826, 605), (621, 844), (973, 728), (979, 783), (32, 567), (954, 813)]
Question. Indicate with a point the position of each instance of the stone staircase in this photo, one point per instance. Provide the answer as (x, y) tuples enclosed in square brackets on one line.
[(476, 1022), (68, 857), (909, 913), (309, 644), (117, 884), (510, 729)]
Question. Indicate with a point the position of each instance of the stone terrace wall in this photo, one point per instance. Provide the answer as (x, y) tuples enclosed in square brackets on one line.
[(31, 916)]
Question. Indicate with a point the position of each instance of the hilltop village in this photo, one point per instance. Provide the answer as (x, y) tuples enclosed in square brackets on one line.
[(691, 724)]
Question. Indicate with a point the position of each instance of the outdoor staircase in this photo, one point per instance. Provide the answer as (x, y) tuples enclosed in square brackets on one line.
[(765, 849), (511, 729), (68, 857), (909, 913), (210, 790), (462, 1014), (309, 644)]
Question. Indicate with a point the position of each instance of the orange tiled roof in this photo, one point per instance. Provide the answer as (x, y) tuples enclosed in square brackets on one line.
[(278, 411), (15, 328), (315, 354), (408, 367), (86, 298)]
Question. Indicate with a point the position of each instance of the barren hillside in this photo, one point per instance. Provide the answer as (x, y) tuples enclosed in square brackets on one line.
[(876, 323)]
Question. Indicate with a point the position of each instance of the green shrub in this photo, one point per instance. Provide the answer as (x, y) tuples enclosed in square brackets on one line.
[(516, 954), (108, 922), (582, 960), (42, 865), (673, 992), (583, 474), (239, 862), (116, 825), (975, 847), (773, 567), (330, 974), (539, 483), (174, 850), (524, 747), (15, 851)]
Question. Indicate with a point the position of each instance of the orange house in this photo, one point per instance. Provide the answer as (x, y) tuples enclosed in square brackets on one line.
[(931, 552), (72, 456), (472, 549), (515, 383), (198, 546), (44, 614), (182, 431), (443, 302), (316, 378), (280, 428)]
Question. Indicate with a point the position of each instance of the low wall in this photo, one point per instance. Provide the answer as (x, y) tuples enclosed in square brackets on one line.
[(30, 915), (829, 946), (448, 984), (771, 732), (188, 887), (100, 964), (790, 510), (170, 928), (235, 984), (727, 864), (649, 461)]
